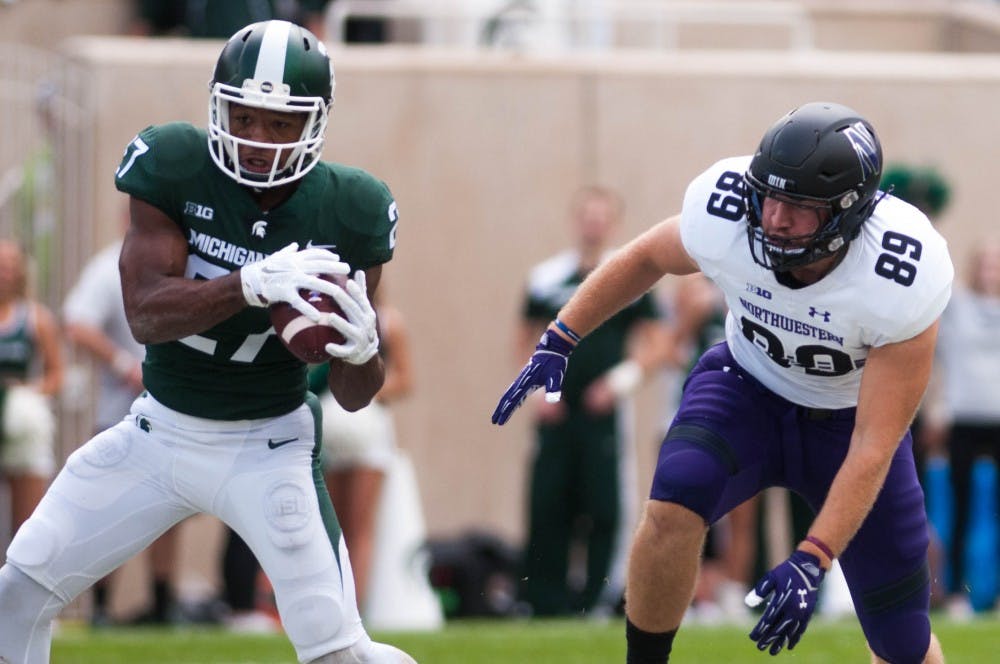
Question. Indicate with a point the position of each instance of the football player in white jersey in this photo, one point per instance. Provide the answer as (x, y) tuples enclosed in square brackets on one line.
[(834, 291)]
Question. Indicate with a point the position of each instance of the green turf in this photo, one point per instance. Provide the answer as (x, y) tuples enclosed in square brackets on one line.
[(509, 642)]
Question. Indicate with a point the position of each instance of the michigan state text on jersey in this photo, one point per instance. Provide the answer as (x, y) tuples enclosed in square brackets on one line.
[(239, 368)]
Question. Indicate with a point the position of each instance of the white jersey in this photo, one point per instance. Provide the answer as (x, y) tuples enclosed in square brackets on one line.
[(809, 344)]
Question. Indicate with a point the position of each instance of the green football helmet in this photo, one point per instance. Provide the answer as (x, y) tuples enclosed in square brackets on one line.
[(278, 66)]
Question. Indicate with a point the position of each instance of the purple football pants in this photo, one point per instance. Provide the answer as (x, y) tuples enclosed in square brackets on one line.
[(732, 438)]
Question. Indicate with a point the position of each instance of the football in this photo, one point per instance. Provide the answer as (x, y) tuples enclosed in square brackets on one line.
[(305, 339)]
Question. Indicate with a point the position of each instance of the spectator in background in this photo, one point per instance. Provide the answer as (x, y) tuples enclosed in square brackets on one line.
[(923, 187), (219, 19), (969, 358), (358, 447), (31, 373), (577, 495), (94, 317), (356, 29)]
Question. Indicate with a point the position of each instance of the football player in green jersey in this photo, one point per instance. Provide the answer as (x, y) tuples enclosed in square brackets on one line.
[(224, 223)]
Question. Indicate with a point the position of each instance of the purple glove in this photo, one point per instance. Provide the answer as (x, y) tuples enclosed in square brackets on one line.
[(546, 367), (793, 586)]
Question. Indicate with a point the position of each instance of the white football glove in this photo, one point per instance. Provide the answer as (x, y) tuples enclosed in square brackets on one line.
[(357, 324), (280, 276)]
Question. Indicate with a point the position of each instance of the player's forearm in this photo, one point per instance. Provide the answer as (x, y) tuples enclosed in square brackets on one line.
[(851, 497), (607, 290), (178, 307), (628, 274), (894, 379), (354, 386)]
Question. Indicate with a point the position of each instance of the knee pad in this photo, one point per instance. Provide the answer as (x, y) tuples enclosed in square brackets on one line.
[(895, 619), (693, 468), (311, 616), (35, 544), (39, 551), (318, 610), (101, 455)]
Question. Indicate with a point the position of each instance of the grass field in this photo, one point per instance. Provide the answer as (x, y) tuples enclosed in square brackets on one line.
[(509, 642)]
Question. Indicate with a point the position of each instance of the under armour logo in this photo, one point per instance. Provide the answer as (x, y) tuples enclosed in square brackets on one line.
[(143, 423), (259, 228), (814, 312), (802, 598)]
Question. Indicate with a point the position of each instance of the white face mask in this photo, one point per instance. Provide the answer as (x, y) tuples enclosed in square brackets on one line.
[(291, 160)]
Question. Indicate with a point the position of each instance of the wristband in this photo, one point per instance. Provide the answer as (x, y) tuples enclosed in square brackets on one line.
[(821, 545), (565, 329), (624, 378)]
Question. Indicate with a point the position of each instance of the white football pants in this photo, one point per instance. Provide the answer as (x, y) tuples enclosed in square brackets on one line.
[(130, 483)]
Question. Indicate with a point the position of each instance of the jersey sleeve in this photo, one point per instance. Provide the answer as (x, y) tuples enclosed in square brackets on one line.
[(916, 313), (905, 302), (713, 215), (156, 159), (369, 218)]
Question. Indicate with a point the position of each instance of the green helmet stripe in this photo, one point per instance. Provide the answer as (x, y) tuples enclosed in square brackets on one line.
[(271, 58)]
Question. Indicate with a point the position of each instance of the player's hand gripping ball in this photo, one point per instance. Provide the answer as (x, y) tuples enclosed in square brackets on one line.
[(305, 338)]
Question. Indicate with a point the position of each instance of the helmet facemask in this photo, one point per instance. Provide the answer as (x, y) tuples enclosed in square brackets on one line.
[(291, 160), (786, 253)]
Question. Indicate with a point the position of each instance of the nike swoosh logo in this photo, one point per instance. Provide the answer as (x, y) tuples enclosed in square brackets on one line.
[(310, 244), (275, 444)]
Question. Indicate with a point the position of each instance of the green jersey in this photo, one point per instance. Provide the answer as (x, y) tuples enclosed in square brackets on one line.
[(239, 369), (17, 345), (550, 286)]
